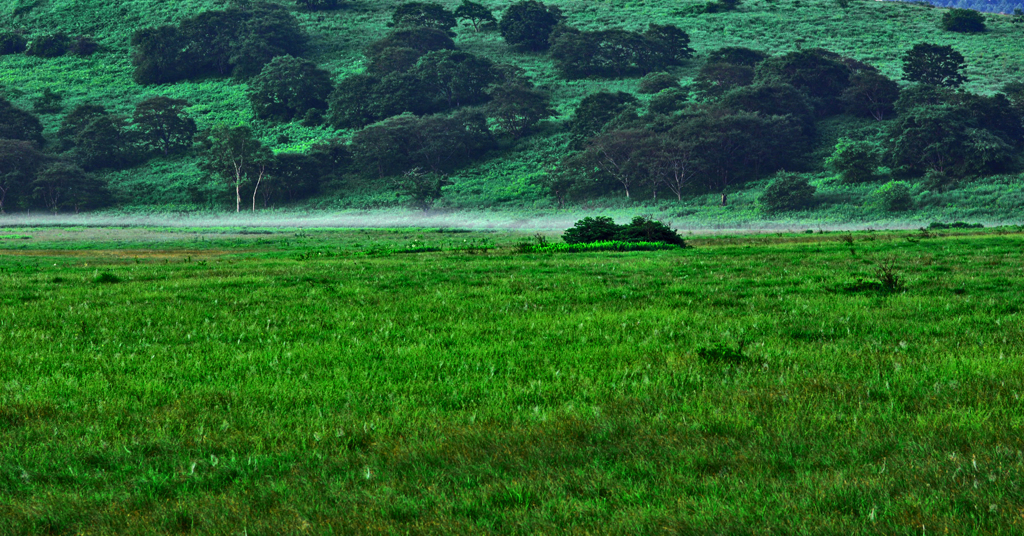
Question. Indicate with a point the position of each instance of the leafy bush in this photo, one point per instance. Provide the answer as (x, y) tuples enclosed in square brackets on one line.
[(12, 43), (935, 225), (84, 46), (655, 82), (640, 230), (963, 21), (589, 230), (787, 191), (50, 46), (854, 161), (894, 196)]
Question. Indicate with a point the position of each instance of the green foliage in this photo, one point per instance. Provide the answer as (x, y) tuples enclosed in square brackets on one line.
[(871, 94), (476, 14), (717, 78), (517, 108), (527, 25), (963, 21), (821, 75), (736, 56), (592, 229), (937, 65), (12, 43), (653, 83), (288, 88), (602, 229), (597, 110), (893, 196), (787, 192), (50, 46), (854, 161), (618, 53), (434, 143), (423, 15), (62, 185), (668, 101), (602, 245), (319, 5), (423, 188), (20, 160), (236, 42), (234, 158), (50, 102), (17, 124), (163, 127)]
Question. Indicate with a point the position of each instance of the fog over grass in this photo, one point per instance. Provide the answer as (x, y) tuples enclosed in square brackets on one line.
[(550, 220)]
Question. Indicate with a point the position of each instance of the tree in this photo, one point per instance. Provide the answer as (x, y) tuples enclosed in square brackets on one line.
[(821, 75), (893, 196), (944, 139), (106, 143), (434, 143), (319, 5), (670, 100), (778, 100), (50, 102), (786, 192), (653, 83), (50, 46), (618, 53), (234, 155), (74, 123), (348, 106), (871, 95), (527, 25), (17, 124), (963, 21), (19, 162), (715, 79), (596, 110), (476, 14), (517, 108), (737, 56), (12, 43), (62, 184), (423, 187), (454, 78), (393, 60), (592, 229), (162, 125), (422, 40), (937, 65), (854, 161), (288, 88), (423, 15)]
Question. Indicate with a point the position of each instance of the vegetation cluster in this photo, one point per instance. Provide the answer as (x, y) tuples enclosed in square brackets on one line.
[(451, 91)]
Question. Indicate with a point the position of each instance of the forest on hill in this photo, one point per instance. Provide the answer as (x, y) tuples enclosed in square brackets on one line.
[(846, 107)]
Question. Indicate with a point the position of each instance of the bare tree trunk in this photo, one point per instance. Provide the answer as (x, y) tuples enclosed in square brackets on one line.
[(256, 189)]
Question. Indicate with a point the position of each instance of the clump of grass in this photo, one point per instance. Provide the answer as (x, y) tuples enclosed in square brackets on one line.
[(105, 277), (888, 275), (721, 353)]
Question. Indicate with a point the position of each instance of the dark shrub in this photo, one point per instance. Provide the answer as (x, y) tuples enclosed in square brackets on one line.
[(12, 43), (592, 230), (894, 196), (787, 191), (963, 21), (603, 228), (50, 46), (643, 229), (655, 82), (84, 46)]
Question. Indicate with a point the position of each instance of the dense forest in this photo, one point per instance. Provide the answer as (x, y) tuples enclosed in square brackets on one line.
[(325, 103)]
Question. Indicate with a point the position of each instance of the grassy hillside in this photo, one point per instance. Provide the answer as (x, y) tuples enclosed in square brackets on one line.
[(874, 32)]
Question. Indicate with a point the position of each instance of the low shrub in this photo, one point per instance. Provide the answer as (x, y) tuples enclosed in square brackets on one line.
[(604, 229), (786, 192), (655, 82), (12, 43), (963, 21), (893, 196)]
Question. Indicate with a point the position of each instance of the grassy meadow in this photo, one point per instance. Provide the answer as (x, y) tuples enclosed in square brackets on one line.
[(316, 381)]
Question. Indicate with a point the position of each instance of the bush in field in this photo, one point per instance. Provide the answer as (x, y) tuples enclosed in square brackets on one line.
[(50, 46), (963, 21), (288, 87), (602, 229), (589, 230), (894, 196), (786, 192)]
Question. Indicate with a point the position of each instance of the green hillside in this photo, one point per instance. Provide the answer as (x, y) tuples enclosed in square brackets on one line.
[(876, 33)]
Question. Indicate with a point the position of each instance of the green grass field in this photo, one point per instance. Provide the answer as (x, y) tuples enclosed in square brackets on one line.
[(241, 381)]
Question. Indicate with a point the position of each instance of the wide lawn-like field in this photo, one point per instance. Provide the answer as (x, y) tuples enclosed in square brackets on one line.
[(232, 381)]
